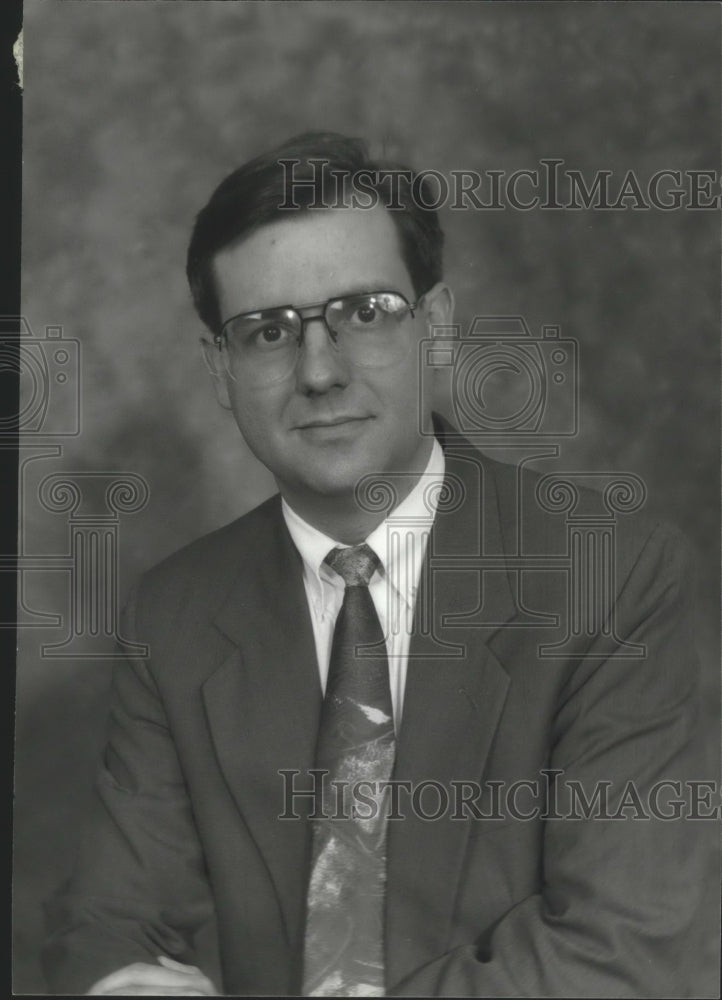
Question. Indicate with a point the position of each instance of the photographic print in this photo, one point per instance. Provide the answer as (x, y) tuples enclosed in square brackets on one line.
[(368, 550)]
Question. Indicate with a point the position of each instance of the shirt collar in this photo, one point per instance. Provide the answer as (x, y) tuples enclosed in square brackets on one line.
[(313, 546), (399, 541)]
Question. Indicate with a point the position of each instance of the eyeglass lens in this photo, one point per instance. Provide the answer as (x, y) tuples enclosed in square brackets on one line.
[(264, 345)]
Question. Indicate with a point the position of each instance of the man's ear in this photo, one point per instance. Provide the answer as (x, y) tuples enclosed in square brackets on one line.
[(439, 306), (441, 353), (214, 364)]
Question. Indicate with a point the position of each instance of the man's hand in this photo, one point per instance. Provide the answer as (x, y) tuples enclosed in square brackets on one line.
[(168, 978)]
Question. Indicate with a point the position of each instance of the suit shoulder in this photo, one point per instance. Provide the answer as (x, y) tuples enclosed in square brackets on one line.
[(209, 563), (543, 504)]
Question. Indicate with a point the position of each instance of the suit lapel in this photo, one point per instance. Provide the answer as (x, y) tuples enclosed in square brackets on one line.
[(263, 706), (455, 693)]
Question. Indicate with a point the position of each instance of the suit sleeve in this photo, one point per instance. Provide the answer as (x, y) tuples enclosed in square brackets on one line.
[(618, 911), (139, 887)]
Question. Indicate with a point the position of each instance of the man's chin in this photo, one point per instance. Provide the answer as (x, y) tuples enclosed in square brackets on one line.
[(352, 465), (333, 482), (331, 461)]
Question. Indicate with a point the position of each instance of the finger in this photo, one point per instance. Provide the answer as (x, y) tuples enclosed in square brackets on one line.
[(142, 974), (139, 990), (201, 980), (115, 981), (170, 963)]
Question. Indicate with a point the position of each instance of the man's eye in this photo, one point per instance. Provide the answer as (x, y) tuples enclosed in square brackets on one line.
[(369, 314), (271, 336), (366, 313)]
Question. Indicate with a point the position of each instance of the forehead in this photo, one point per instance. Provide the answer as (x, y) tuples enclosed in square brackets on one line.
[(309, 257)]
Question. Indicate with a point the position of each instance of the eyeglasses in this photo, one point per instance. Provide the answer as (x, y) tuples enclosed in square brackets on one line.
[(263, 346)]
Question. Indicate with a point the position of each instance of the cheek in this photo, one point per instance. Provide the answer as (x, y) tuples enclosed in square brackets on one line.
[(408, 390), (257, 416)]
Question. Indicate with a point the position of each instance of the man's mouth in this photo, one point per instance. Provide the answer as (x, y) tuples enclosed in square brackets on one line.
[(331, 422)]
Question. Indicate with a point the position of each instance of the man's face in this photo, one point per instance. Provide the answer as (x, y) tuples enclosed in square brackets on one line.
[(328, 423)]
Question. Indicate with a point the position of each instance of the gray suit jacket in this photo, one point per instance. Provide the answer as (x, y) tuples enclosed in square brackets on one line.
[(188, 796)]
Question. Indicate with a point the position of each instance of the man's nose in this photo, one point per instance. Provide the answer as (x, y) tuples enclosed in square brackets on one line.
[(320, 365)]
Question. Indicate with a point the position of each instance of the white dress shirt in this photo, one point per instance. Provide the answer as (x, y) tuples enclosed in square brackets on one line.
[(400, 544)]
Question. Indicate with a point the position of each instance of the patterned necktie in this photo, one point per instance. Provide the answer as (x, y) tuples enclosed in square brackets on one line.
[(345, 928)]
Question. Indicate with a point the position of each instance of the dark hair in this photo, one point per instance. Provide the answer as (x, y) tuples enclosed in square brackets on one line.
[(253, 196)]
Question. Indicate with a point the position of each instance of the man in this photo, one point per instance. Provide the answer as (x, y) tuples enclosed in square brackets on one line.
[(313, 639)]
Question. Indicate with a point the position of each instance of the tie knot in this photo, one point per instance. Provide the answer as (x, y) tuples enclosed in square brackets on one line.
[(355, 565)]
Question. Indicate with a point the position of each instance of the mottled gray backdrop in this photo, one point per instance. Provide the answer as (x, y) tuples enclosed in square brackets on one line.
[(133, 113)]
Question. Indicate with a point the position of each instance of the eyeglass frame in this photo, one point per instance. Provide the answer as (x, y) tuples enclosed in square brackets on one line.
[(412, 306)]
